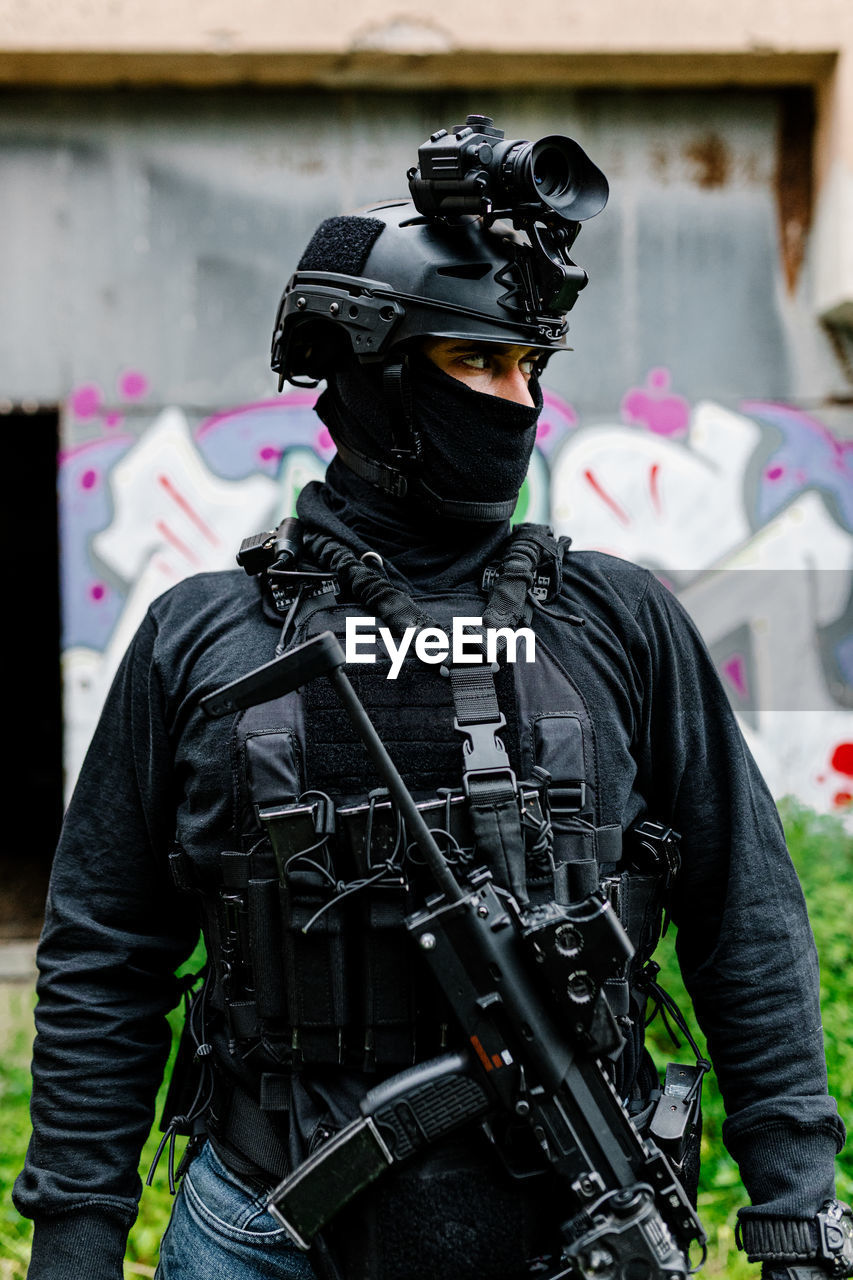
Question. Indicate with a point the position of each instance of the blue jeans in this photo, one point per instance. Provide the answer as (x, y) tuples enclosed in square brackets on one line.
[(220, 1228)]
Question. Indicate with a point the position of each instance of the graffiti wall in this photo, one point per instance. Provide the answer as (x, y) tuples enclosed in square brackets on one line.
[(747, 515), (149, 235)]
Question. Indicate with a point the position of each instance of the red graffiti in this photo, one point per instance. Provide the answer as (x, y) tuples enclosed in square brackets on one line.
[(605, 497), (654, 486), (842, 758), (176, 542), (175, 494)]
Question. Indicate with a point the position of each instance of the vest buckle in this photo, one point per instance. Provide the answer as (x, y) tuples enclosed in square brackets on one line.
[(486, 761), (565, 798)]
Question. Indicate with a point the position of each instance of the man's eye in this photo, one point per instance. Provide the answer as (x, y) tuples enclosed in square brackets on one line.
[(476, 360), (528, 367)]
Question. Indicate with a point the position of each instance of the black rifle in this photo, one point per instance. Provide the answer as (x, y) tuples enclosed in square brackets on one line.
[(532, 1057)]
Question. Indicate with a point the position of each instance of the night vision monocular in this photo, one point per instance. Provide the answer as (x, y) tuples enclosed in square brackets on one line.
[(545, 188), (479, 250)]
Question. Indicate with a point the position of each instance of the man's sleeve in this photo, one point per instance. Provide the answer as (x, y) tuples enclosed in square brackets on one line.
[(744, 941), (114, 934)]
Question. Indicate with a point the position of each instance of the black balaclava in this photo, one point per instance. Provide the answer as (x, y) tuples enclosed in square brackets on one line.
[(475, 447)]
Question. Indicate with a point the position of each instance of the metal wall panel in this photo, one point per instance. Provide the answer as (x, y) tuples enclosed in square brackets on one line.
[(144, 242), (157, 229)]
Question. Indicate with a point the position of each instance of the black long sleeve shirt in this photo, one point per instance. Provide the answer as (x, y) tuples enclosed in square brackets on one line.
[(116, 929)]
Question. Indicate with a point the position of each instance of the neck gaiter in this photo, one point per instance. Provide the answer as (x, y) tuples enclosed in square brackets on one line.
[(476, 447)]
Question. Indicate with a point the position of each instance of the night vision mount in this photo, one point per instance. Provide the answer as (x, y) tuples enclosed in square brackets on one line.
[(546, 189), (480, 251)]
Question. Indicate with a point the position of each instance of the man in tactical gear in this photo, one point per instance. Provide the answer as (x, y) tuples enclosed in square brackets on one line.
[(430, 322)]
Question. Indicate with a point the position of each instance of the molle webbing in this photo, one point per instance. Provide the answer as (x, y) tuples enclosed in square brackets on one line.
[(326, 981), (414, 718), (346, 990), (265, 934), (413, 701), (319, 974)]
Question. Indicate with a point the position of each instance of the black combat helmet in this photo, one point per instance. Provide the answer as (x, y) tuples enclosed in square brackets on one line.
[(480, 252), (386, 276)]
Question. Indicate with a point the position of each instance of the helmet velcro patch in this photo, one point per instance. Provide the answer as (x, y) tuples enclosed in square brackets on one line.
[(341, 245)]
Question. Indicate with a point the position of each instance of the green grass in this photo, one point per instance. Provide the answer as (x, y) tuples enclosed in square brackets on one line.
[(16, 1005), (823, 854), (16, 1002)]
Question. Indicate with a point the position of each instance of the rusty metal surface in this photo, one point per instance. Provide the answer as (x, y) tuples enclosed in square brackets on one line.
[(701, 425), (793, 178), (155, 231)]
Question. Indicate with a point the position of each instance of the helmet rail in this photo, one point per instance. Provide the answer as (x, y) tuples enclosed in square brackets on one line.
[(372, 314)]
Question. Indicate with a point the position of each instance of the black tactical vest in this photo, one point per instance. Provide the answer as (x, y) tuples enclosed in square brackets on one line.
[(312, 967), (310, 944)]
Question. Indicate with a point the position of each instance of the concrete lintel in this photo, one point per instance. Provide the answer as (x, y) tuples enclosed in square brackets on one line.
[(392, 71), (420, 26)]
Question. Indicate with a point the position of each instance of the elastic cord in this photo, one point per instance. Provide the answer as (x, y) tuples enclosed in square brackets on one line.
[(507, 600)]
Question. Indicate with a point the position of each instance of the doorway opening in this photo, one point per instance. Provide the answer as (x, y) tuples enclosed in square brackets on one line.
[(32, 686)]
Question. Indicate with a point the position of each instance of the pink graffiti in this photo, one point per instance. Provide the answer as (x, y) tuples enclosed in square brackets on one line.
[(269, 453), (735, 669), (650, 406), (133, 385), (85, 401), (89, 479), (97, 591), (557, 420), (293, 400), (809, 454), (323, 441), (67, 456)]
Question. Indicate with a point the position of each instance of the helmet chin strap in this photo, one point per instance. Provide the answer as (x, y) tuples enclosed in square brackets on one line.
[(400, 478), (395, 476), (452, 509)]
